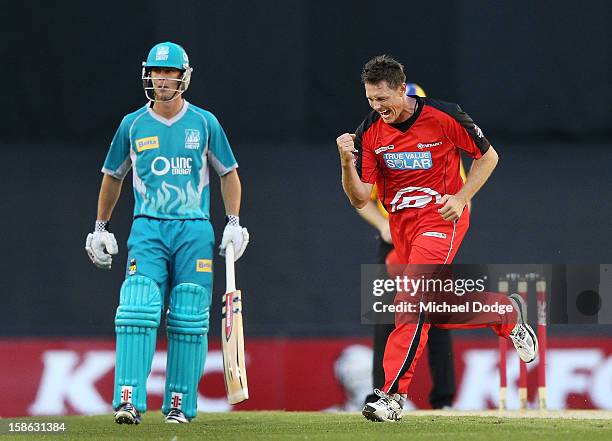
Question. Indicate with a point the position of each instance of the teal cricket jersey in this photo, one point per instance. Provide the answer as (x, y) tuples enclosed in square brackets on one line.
[(170, 160)]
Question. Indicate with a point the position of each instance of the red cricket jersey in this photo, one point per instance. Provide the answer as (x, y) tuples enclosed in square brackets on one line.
[(416, 162)]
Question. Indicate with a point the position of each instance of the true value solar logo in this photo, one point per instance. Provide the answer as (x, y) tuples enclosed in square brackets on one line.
[(408, 160)]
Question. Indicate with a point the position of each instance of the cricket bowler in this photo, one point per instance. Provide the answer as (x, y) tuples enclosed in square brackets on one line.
[(170, 145), (439, 342), (410, 147)]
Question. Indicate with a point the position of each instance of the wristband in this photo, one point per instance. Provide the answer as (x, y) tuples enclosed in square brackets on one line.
[(232, 220), (101, 225)]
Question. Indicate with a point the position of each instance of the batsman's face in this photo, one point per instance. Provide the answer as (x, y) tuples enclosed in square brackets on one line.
[(388, 102), (166, 82)]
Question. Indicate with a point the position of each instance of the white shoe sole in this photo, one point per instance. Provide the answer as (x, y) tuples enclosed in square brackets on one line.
[(174, 421), (523, 321), (122, 417), (369, 413)]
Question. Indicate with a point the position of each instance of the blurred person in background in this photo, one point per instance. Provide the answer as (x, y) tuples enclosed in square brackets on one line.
[(353, 370)]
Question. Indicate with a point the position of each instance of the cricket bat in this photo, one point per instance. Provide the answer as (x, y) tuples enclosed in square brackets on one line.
[(232, 336)]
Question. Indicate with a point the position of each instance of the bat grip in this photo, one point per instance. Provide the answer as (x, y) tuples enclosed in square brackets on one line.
[(230, 274)]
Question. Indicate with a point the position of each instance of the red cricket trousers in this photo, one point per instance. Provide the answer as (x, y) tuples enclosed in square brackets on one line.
[(421, 236)]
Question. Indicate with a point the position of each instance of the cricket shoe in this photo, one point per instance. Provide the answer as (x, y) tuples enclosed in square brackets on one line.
[(523, 337), (388, 408), (176, 416), (127, 414)]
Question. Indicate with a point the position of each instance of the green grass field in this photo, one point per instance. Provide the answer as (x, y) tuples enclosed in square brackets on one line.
[(252, 426)]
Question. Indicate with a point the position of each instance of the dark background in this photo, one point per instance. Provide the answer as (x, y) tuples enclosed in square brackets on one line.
[(283, 79)]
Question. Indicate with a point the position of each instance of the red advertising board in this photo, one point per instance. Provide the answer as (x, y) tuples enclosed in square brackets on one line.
[(75, 376)]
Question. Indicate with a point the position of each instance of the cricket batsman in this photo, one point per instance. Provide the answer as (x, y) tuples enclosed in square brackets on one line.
[(170, 145), (410, 147)]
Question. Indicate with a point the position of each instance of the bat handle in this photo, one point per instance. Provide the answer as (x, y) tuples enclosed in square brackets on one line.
[(230, 274)]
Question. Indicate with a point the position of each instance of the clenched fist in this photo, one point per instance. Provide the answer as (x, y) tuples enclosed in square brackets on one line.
[(452, 207), (346, 148)]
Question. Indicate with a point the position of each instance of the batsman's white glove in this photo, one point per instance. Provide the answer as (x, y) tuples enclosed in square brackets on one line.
[(101, 246), (234, 235)]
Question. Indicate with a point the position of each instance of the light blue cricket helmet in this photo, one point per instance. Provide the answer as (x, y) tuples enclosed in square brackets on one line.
[(166, 55)]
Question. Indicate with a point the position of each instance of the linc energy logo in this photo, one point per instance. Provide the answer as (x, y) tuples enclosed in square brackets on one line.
[(178, 166)]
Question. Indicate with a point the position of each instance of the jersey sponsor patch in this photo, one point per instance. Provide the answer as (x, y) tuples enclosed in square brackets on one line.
[(384, 148), (142, 144), (161, 165), (428, 145), (204, 265), (408, 160)]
